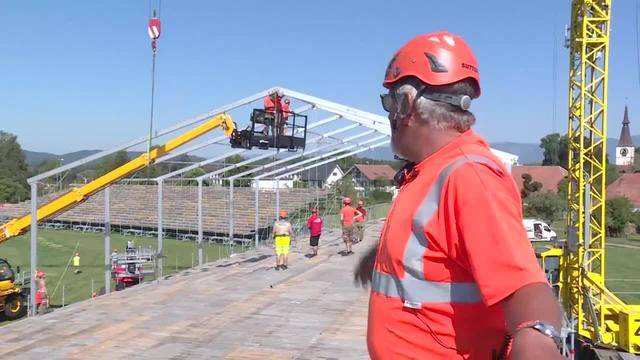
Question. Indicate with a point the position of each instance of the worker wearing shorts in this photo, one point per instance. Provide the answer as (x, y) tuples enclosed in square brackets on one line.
[(314, 223), (282, 234), (359, 222), (348, 215)]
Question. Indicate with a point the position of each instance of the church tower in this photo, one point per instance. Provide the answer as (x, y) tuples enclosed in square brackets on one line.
[(625, 150)]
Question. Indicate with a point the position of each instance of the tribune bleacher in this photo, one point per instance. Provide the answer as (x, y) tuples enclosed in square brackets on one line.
[(133, 210)]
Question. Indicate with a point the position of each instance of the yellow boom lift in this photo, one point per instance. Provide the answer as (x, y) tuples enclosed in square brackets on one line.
[(577, 269), (12, 299), (77, 195)]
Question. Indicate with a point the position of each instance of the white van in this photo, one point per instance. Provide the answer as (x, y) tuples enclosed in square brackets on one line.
[(538, 230)]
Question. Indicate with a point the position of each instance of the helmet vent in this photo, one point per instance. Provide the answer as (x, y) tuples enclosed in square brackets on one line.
[(436, 66)]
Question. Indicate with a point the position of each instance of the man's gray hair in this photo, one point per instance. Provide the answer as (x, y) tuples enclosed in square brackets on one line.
[(438, 114)]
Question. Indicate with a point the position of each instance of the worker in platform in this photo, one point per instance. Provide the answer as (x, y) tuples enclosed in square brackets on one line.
[(314, 223), (284, 121), (359, 222), (348, 215), (76, 263), (282, 236), (273, 111), (453, 275)]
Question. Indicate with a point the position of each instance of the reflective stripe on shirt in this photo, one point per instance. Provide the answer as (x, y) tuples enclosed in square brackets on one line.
[(414, 289)]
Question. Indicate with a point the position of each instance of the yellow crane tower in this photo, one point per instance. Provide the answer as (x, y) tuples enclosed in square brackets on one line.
[(600, 318)]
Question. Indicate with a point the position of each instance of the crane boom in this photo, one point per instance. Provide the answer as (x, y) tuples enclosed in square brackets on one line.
[(77, 195)]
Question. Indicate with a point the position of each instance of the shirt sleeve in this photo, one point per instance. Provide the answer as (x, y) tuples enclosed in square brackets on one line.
[(485, 219)]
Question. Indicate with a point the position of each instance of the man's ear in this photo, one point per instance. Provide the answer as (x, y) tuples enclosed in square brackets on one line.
[(405, 108)]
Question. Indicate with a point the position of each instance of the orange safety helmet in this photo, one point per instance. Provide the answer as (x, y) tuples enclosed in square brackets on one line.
[(283, 213), (439, 58), (347, 200)]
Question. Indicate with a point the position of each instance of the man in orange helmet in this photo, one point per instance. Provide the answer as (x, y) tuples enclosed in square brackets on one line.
[(273, 109), (348, 215), (453, 275), (314, 223), (359, 223), (284, 121), (282, 236)]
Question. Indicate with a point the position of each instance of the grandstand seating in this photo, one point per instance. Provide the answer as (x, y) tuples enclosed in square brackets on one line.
[(135, 207)]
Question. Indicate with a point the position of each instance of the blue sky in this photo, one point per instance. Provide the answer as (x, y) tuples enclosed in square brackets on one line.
[(76, 74)]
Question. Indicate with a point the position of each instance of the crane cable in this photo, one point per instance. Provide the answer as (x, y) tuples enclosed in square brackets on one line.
[(154, 30), (638, 39)]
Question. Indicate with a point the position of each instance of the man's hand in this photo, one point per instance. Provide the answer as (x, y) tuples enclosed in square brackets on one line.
[(532, 302), (530, 344), (364, 270)]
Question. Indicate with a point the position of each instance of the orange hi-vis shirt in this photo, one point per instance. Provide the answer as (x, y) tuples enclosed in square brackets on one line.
[(452, 248), (348, 214)]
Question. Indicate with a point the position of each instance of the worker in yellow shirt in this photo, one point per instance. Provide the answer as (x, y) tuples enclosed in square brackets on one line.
[(282, 236), (76, 263)]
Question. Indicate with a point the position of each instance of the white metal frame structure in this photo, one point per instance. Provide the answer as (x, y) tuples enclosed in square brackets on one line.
[(345, 131)]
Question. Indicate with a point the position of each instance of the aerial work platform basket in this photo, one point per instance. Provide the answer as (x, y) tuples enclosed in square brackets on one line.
[(270, 129)]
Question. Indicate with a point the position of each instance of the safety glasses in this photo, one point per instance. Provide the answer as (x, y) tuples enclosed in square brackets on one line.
[(390, 103)]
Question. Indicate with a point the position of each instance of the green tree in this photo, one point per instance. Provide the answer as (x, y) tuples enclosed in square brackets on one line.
[(47, 165), (612, 172), (345, 187), (235, 159), (299, 184), (563, 187), (635, 219), (547, 206), (529, 186), (381, 183), (13, 170), (378, 196), (619, 213), (111, 162), (556, 150), (192, 174)]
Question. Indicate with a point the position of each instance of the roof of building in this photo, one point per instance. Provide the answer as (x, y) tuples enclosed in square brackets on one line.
[(321, 172), (625, 133), (627, 185), (377, 171), (548, 176)]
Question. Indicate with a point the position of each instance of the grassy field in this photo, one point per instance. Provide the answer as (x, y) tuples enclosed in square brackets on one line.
[(56, 248)]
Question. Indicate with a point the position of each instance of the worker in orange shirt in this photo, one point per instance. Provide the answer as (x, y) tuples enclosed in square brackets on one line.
[(348, 215), (286, 111), (273, 108), (453, 275), (359, 223)]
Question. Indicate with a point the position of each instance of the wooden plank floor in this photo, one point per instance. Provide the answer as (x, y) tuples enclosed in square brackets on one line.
[(238, 308)]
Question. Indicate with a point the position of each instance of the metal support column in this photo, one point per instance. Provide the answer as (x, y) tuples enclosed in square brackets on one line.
[(257, 209), (160, 254), (231, 212), (200, 231), (277, 198), (34, 246), (107, 240)]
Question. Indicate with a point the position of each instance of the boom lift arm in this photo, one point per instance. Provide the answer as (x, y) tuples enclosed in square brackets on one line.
[(77, 195)]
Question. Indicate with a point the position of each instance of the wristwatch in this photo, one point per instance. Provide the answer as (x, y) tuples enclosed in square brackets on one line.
[(545, 329)]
